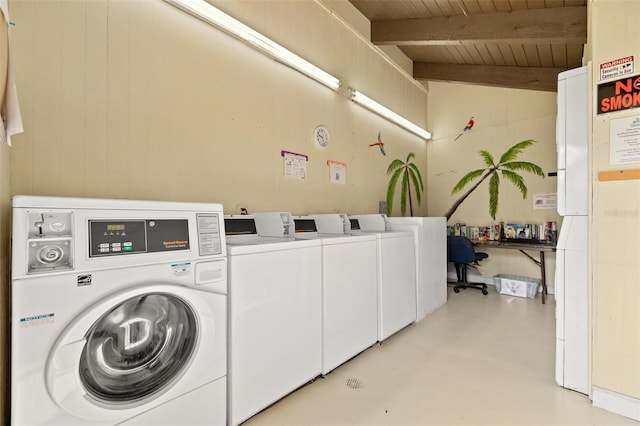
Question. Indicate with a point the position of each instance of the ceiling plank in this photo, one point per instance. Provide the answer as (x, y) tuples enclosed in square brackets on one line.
[(554, 26), (531, 78), (559, 53), (520, 55), (546, 58), (531, 52)]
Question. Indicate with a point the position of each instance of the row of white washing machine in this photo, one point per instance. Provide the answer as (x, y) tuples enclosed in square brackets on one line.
[(142, 312), (306, 294)]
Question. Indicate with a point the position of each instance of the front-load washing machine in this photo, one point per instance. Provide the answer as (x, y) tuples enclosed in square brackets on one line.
[(274, 313), (430, 234), (396, 273), (349, 288), (119, 312)]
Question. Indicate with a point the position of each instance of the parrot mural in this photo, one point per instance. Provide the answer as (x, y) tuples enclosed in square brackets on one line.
[(468, 127), (379, 144)]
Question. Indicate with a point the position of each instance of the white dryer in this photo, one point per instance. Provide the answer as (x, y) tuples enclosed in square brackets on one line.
[(119, 312), (396, 256), (430, 234), (349, 288), (274, 314)]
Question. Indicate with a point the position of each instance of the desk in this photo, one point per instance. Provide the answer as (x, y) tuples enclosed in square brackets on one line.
[(523, 248)]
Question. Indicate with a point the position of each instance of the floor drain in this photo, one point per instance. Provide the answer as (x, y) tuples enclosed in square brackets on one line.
[(353, 383)]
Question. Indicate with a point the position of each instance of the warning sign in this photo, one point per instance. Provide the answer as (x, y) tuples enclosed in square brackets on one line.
[(616, 68), (619, 95)]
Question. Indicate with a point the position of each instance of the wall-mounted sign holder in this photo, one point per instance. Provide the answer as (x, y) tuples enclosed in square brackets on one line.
[(619, 175)]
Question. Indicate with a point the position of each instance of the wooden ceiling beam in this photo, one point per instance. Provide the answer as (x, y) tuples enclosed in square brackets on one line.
[(532, 78), (556, 25)]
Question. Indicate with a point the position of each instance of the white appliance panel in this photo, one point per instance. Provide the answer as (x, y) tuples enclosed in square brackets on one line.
[(274, 323), (572, 304), (431, 260), (561, 126), (396, 282), (572, 133), (210, 400), (559, 293), (350, 299), (562, 192), (349, 287), (575, 317), (397, 285)]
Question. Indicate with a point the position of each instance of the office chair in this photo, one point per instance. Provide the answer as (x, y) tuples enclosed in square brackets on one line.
[(460, 252)]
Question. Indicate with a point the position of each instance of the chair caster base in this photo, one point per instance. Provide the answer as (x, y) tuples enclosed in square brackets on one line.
[(477, 286)]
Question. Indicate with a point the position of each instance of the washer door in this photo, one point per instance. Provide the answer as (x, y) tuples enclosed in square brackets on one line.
[(138, 347), (135, 350)]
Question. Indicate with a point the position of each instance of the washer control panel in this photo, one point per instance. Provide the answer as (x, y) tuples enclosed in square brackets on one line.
[(122, 237)]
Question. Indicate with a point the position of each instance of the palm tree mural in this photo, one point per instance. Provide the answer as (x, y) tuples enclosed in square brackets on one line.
[(410, 175), (507, 166)]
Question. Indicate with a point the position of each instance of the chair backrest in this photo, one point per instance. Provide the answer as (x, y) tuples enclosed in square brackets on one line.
[(460, 249)]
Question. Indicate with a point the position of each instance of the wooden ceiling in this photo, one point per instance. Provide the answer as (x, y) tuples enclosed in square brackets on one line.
[(505, 43)]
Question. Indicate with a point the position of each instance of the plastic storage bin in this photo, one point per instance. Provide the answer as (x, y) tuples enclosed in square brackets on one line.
[(516, 285)]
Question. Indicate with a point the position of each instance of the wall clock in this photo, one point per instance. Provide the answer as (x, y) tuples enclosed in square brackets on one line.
[(321, 136)]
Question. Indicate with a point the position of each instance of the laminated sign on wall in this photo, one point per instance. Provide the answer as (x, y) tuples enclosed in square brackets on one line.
[(337, 172), (295, 165), (625, 140)]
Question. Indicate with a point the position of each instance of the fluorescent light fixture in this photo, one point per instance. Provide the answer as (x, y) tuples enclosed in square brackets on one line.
[(385, 112), (211, 15)]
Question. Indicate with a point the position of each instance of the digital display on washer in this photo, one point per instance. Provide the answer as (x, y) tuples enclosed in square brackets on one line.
[(115, 227), (305, 225), (355, 224), (240, 226), (122, 237)]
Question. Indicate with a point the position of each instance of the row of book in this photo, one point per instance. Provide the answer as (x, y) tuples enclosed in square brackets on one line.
[(546, 231)]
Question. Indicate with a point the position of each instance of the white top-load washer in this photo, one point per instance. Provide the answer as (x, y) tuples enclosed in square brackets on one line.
[(430, 234), (119, 312), (396, 256), (274, 313), (349, 288)]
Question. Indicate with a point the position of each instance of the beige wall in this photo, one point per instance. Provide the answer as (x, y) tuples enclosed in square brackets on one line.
[(136, 99), (503, 117), (615, 226)]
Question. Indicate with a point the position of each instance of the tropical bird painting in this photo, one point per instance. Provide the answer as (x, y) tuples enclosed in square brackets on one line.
[(379, 144), (468, 127)]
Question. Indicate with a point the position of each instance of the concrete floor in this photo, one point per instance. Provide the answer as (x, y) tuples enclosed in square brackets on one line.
[(478, 360)]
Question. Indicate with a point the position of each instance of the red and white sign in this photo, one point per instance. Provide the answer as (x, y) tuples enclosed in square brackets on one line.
[(616, 68)]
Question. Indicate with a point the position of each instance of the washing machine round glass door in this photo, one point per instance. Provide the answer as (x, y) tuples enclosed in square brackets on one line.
[(125, 353), (137, 348)]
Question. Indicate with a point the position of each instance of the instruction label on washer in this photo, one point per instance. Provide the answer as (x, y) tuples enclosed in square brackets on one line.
[(209, 238)]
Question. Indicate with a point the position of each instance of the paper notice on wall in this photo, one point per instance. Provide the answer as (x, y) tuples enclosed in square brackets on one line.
[(337, 172), (545, 201), (295, 165), (624, 141)]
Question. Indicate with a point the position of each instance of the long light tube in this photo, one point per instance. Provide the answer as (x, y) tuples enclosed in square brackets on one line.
[(208, 13), (385, 112)]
